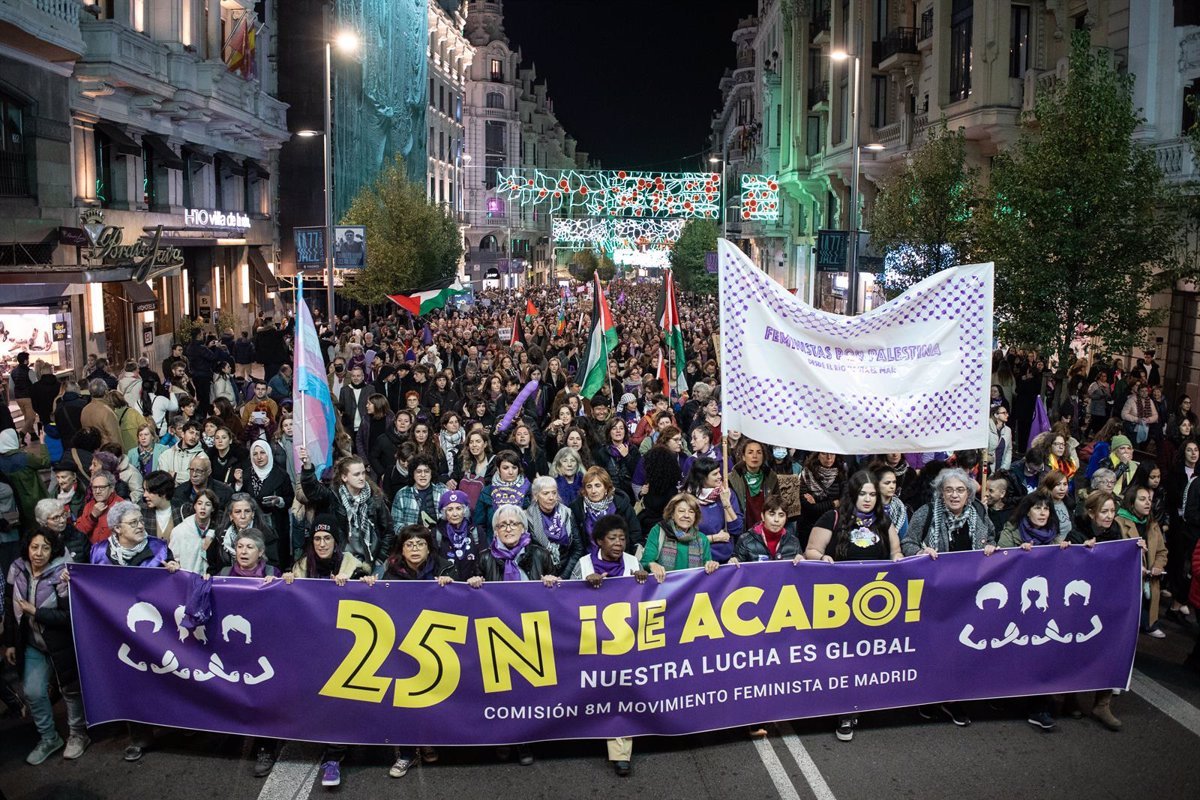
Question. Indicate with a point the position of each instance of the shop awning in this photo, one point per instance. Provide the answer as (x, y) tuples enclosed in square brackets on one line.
[(140, 296), (196, 155), (257, 168), (125, 145), (229, 163), (260, 268), (163, 152)]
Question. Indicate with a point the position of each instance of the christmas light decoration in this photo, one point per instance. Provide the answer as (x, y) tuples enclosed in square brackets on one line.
[(760, 198), (610, 234), (608, 193)]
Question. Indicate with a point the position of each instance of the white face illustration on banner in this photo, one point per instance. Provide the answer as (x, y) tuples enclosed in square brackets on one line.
[(1035, 596)]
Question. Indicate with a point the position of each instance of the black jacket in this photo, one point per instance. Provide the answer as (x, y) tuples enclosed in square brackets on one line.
[(67, 415), (619, 469), (322, 498), (534, 561), (751, 546), (56, 631), (269, 345), (278, 484), (184, 496), (42, 395)]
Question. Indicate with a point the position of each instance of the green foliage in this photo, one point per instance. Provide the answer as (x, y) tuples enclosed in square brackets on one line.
[(607, 269), (923, 215), (1078, 219), (186, 329), (582, 264), (412, 245), (698, 238)]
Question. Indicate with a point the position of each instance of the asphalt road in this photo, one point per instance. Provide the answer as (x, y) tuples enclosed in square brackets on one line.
[(894, 755)]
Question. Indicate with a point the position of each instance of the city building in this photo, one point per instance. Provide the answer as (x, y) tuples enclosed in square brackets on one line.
[(511, 126), (135, 173), (449, 59)]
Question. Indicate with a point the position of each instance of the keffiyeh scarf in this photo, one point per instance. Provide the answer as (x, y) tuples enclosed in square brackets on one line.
[(358, 514)]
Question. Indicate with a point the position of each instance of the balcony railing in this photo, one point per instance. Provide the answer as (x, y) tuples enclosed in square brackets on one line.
[(1177, 161), (818, 94), (65, 10), (926, 29), (900, 40), (14, 175)]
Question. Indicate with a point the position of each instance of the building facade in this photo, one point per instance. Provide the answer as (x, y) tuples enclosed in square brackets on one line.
[(449, 62), (136, 180), (510, 126)]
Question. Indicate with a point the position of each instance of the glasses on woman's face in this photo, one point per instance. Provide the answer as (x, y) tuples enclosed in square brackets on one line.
[(135, 524), (509, 525), (416, 544), (954, 491)]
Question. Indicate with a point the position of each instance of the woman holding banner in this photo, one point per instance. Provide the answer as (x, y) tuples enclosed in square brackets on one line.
[(676, 543)]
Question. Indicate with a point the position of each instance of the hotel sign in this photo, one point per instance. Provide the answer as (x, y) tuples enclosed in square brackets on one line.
[(145, 257), (206, 218)]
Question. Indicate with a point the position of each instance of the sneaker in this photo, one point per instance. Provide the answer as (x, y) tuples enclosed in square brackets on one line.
[(331, 774), (45, 748), (956, 714), (1041, 719), (845, 729), (623, 768), (429, 755), (524, 755), (76, 744), (134, 753), (400, 767), (1156, 633), (264, 763)]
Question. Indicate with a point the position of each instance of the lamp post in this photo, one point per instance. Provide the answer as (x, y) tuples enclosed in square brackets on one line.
[(856, 164), (724, 197)]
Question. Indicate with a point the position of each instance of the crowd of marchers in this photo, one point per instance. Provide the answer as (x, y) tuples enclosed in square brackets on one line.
[(464, 457)]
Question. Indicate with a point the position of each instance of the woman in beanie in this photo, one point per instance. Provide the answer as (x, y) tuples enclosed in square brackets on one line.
[(459, 543), (324, 557), (1120, 460)]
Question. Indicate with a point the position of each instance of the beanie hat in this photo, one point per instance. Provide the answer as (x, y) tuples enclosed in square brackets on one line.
[(325, 523), (1121, 440), (626, 399), (454, 497)]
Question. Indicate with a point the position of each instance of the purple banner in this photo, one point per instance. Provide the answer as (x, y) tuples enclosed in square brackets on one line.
[(414, 663)]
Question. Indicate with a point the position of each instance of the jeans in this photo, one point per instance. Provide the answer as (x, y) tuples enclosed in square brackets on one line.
[(38, 674)]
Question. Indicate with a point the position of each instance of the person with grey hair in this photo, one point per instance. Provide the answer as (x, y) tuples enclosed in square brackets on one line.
[(954, 520), (552, 526), (99, 414), (694, 407), (241, 514), (128, 545), (93, 520), (51, 515)]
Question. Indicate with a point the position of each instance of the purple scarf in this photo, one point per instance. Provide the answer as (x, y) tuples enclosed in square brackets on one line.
[(259, 570), (511, 571), (1037, 536), (459, 538), (609, 569), (555, 528)]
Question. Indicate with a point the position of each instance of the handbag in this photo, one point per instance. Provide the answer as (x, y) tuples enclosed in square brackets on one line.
[(1141, 432)]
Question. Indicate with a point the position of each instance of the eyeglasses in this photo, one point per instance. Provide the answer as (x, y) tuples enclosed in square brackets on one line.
[(96, 486), (954, 490), (416, 544), (135, 524), (59, 515), (509, 524)]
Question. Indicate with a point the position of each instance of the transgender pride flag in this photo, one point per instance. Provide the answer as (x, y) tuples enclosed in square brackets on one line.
[(312, 404)]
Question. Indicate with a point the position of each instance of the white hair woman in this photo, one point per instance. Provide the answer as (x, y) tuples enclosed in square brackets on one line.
[(552, 526), (952, 521)]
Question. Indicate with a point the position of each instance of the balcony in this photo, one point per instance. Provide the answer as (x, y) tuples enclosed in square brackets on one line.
[(898, 50), (1177, 161), (1038, 83), (818, 27), (47, 30), (818, 95)]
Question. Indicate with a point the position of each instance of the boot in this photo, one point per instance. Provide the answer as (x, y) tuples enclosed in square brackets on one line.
[(1102, 711)]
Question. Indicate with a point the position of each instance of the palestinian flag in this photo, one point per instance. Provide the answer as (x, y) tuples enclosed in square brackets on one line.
[(517, 336), (663, 373), (531, 310), (601, 342), (423, 302), (673, 335)]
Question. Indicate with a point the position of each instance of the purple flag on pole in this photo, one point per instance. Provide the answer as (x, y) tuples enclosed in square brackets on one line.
[(426, 335), (1041, 421), (312, 404)]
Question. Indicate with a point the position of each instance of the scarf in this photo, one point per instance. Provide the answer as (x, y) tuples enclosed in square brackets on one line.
[(609, 569), (1140, 522), (754, 481), (1063, 465), (1001, 446), (554, 526), (452, 441), (594, 511), (259, 570), (1143, 405), (144, 459), (121, 555), (897, 513), (512, 572), (668, 551), (358, 514), (707, 497), (770, 538), (819, 481), (568, 489), (459, 538), (1034, 535), (901, 470), (942, 525), (261, 473), (509, 493)]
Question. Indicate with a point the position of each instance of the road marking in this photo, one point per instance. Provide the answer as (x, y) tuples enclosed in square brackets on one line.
[(294, 774), (816, 781), (775, 768), (1166, 701)]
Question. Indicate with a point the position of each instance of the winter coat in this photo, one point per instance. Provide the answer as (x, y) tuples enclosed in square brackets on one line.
[(53, 614), (534, 561), (1154, 557), (619, 469), (322, 498), (752, 546), (565, 556), (155, 554), (635, 535)]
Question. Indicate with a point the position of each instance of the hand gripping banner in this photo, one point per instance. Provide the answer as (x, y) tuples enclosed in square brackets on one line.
[(912, 375), (418, 664)]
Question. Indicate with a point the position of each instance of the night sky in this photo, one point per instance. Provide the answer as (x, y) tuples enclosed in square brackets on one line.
[(634, 81)]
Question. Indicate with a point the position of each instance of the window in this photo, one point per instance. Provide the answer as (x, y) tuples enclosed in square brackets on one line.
[(457, 107), (495, 134), (495, 100), (745, 110), (778, 124), (431, 92), (961, 14), (1018, 43), (812, 135), (1191, 94), (442, 99), (497, 71), (879, 101), (492, 165), (105, 152), (442, 145), (14, 166), (881, 20)]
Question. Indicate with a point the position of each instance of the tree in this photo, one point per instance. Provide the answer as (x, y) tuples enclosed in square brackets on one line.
[(1078, 220), (582, 265), (688, 257), (412, 245), (922, 217), (606, 268)]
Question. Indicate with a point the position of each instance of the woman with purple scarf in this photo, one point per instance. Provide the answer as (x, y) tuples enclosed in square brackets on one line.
[(459, 543), (514, 556), (250, 558), (720, 514), (609, 559), (599, 498), (507, 486), (552, 526)]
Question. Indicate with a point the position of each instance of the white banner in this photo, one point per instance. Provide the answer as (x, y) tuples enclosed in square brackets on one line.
[(912, 375)]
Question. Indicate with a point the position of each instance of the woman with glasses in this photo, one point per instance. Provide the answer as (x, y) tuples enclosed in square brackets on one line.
[(514, 556), (51, 516), (94, 519)]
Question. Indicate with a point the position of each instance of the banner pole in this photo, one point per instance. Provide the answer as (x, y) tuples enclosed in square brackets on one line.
[(983, 474)]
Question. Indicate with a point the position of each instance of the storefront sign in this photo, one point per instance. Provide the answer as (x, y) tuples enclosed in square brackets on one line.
[(206, 218), (147, 256), (59, 330), (831, 250), (310, 247), (74, 237)]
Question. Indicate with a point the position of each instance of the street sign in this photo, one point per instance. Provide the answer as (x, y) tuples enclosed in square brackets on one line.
[(831, 250)]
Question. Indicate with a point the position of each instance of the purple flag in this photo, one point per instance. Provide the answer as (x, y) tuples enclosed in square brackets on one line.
[(1041, 421), (413, 663), (426, 334)]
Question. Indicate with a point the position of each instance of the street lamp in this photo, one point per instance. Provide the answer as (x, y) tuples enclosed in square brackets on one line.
[(724, 197), (346, 42), (856, 159)]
